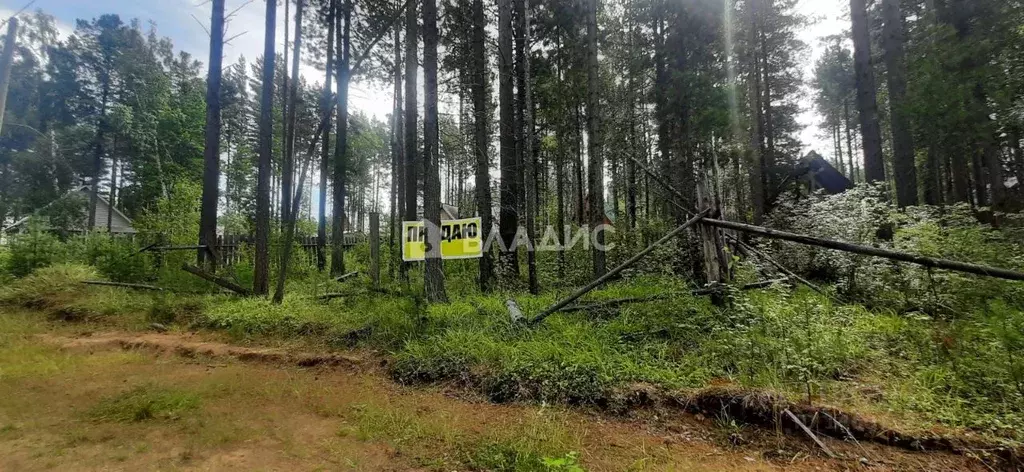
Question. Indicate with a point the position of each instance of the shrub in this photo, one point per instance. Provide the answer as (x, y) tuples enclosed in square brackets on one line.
[(48, 286), (33, 249)]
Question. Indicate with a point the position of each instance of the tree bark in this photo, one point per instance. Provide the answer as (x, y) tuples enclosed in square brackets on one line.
[(411, 140), (6, 64), (288, 166), (433, 273), (528, 158), (99, 148), (595, 170), (867, 105), (902, 137), (341, 141), (111, 199), (508, 219), (325, 146), (480, 139), (261, 271), (397, 156), (755, 161), (849, 140)]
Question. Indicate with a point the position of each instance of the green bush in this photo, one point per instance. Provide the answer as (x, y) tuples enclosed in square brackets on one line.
[(33, 249)]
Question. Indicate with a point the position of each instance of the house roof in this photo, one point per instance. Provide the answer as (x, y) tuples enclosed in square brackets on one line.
[(125, 226), (823, 174)]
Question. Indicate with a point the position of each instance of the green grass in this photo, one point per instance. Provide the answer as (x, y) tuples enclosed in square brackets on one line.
[(145, 402), (966, 372), (541, 443)]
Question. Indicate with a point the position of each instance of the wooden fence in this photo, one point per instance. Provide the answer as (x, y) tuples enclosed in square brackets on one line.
[(229, 248)]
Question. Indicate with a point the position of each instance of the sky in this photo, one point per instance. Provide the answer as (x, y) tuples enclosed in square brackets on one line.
[(183, 21)]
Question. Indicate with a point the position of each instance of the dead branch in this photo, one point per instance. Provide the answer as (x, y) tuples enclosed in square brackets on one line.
[(346, 276), (870, 251), (616, 271), (123, 285), (809, 433), (652, 298), (219, 281)]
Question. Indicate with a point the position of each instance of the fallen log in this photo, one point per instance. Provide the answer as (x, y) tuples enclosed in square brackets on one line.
[(174, 248), (616, 271), (346, 276), (652, 298), (514, 313), (220, 281), (734, 239), (123, 285), (869, 251)]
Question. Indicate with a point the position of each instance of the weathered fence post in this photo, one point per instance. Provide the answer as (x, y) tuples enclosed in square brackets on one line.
[(375, 249)]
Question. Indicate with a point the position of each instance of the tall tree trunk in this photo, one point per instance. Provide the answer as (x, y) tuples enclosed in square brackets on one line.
[(261, 271), (1017, 148), (6, 64), (433, 271), (288, 167), (595, 168), (978, 178), (867, 105), (932, 185), (481, 141), (768, 158), (526, 134), (279, 198), (960, 170), (902, 137), (411, 140), (99, 149), (397, 155), (581, 217), (111, 200), (211, 153), (849, 140), (508, 219), (755, 160), (660, 106), (341, 142), (325, 145)]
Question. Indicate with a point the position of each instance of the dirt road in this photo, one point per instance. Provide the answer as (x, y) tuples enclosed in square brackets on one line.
[(72, 398)]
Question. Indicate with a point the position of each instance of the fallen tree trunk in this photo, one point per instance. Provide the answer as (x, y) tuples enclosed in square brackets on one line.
[(346, 276), (741, 244), (220, 281), (123, 285), (869, 251), (616, 271), (841, 246), (653, 298), (514, 313)]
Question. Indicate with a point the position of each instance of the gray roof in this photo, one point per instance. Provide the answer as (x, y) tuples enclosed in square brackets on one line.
[(120, 223)]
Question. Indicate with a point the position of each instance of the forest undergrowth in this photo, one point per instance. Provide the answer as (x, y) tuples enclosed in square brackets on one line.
[(925, 352)]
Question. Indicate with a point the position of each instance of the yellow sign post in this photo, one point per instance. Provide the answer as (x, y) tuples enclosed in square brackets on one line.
[(460, 239)]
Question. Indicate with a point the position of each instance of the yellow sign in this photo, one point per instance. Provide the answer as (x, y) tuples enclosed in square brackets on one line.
[(460, 239)]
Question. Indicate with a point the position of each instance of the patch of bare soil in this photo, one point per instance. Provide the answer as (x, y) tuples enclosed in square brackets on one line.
[(653, 439), (191, 345)]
